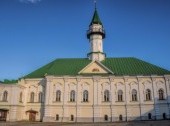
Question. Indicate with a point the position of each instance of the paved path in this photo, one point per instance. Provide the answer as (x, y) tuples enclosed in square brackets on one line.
[(139, 123)]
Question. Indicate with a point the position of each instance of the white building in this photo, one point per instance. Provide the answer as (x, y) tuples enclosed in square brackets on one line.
[(93, 89)]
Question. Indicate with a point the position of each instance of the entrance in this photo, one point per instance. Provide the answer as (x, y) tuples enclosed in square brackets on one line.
[(3, 115), (32, 116)]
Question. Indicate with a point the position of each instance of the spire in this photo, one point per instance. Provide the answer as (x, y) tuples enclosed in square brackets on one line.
[(96, 34), (96, 19)]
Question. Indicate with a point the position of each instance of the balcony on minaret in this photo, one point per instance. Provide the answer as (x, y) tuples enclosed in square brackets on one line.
[(95, 30)]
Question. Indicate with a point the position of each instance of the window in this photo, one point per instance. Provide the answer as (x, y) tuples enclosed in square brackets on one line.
[(32, 97), (5, 96), (134, 95), (72, 96), (120, 95), (164, 116), (57, 117), (20, 97), (85, 96), (40, 97), (72, 117), (120, 117), (106, 95), (106, 117), (58, 95), (161, 94), (148, 95), (149, 116), (95, 70)]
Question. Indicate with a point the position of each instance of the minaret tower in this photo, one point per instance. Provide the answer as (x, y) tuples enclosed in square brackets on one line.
[(96, 34)]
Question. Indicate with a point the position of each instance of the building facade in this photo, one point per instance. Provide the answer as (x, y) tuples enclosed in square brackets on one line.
[(93, 89)]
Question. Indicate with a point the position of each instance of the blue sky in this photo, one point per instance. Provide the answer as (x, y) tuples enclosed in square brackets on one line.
[(35, 32)]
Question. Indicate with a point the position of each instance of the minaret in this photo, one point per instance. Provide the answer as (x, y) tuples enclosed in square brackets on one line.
[(96, 34)]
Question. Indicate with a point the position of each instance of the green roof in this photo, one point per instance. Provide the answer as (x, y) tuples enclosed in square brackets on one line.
[(96, 19), (119, 66)]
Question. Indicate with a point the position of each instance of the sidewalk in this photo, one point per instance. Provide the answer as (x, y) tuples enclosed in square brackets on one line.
[(138, 123)]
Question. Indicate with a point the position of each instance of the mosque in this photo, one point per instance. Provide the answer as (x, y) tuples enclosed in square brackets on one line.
[(91, 89)]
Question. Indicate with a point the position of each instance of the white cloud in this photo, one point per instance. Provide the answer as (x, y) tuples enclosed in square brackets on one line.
[(30, 1)]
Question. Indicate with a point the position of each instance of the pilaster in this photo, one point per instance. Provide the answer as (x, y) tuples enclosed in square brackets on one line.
[(127, 93), (47, 110), (113, 113), (65, 100), (141, 93), (96, 108), (78, 100), (155, 92), (167, 83)]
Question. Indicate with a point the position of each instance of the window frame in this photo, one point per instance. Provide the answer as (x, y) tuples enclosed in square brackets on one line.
[(149, 116), (161, 94), (106, 118), (20, 97), (72, 118), (85, 96), (106, 96), (40, 95), (5, 96), (120, 96), (57, 117), (148, 96), (72, 96), (134, 95), (32, 97), (58, 96)]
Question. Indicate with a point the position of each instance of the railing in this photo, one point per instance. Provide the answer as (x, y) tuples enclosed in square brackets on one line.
[(101, 30)]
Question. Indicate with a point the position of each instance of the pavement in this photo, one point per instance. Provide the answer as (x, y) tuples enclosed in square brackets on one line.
[(137, 123)]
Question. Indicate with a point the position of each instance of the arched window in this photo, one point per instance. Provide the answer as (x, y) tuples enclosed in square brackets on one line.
[(40, 97), (5, 96), (106, 117), (58, 95), (120, 117), (106, 95), (148, 95), (72, 118), (134, 95), (161, 94), (85, 96), (57, 117), (149, 116), (20, 97), (164, 116), (32, 97), (120, 95), (72, 96)]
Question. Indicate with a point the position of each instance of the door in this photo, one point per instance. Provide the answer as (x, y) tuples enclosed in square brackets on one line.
[(3, 115), (32, 116)]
